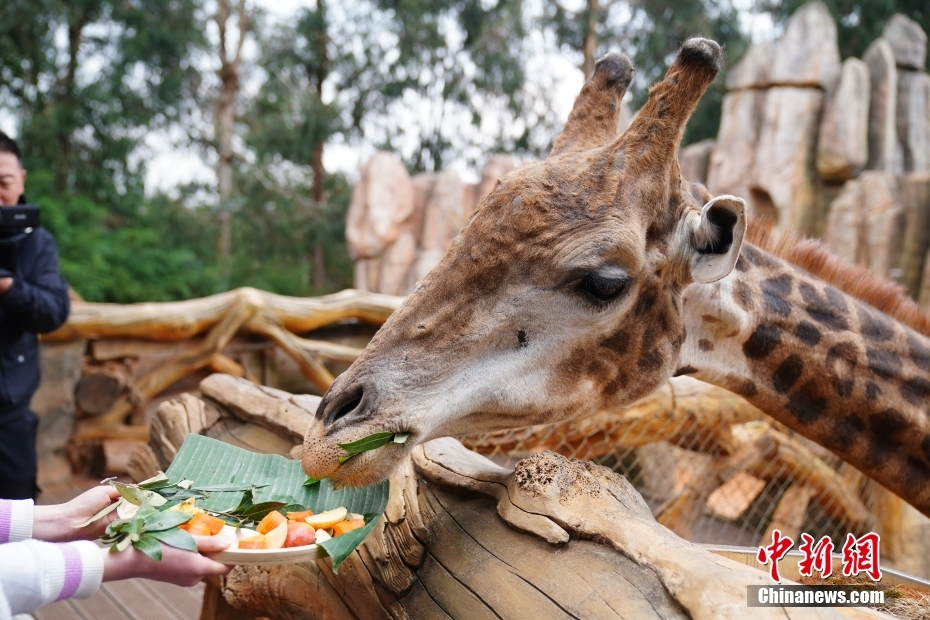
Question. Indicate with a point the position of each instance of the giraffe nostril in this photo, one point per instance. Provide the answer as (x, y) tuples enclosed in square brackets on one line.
[(346, 409)]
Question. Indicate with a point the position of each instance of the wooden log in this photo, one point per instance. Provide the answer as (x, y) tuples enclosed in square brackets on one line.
[(789, 514), (143, 464), (97, 392), (182, 320), (116, 455)]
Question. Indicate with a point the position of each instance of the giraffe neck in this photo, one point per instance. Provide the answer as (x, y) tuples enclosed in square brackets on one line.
[(823, 363)]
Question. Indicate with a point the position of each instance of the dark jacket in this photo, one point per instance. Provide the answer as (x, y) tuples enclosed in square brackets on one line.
[(37, 303)]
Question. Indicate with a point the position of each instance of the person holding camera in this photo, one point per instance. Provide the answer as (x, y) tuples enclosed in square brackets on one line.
[(33, 300)]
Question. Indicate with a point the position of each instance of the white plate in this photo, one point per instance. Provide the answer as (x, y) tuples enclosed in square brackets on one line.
[(258, 557)]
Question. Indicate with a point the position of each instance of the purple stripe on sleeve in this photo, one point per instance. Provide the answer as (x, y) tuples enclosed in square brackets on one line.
[(74, 571), (6, 518)]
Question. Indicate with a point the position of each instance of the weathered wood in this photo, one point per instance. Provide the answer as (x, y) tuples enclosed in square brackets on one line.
[(442, 552), (253, 404), (96, 392), (181, 320), (789, 514), (116, 455), (143, 464)]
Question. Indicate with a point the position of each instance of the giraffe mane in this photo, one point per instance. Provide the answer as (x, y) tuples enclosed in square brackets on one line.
[(815, 257)]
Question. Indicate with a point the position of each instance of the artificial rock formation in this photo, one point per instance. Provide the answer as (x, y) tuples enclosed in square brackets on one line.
[(843, 146), (415, 220), (883, 137)]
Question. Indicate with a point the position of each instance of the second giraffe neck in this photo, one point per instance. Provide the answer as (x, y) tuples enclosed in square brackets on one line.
[(821, 362)]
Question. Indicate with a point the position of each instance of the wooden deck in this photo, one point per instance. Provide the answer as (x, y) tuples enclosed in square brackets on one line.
[(132, 599)]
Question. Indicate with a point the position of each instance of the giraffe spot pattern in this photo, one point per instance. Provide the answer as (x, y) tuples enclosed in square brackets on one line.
[(872, 391), (807, 333), (685, 370), (764, 339), (875, 326), (888, 423), (925, 447), (787, 373), (920, 354), (841, 362), (845, 432), (775, 292), (806, 404), (705, 345), (829, 310), (885, 364), (916, 391), (742, 295)]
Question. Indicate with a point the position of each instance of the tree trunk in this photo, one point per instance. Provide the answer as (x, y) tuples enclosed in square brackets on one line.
[(225, 119), (589, 47), (464, 538)]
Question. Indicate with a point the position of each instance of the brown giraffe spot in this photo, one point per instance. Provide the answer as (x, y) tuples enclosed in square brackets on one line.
[(885, 364), (888, 423), (829, 310), (875, 326), (758, 258), (925, 447), (742, 265), (646, 301), (807, 333), (747, 389), (619, 382), (845, 432), (841, 362), (775, 292), (916, 474), (920, 354), (705, 345), (872, 391), (742, 295), (619, 342), (709, 318), (685, 370), (916, 391), (879, 450), (787, 373), (763, 340), (806, 404)]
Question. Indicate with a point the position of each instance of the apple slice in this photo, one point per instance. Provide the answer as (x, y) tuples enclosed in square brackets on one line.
[(326, 520), (322, 535), (276, 537), (240, 534)]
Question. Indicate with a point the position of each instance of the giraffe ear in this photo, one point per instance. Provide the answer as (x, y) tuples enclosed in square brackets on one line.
[(716, 238)]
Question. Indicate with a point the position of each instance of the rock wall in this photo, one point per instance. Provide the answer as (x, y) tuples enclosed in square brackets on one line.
[(829, 149), (399, 227)]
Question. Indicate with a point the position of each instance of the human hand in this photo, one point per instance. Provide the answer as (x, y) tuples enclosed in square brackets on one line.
[(183, 568), (56, 523), (5, 285)]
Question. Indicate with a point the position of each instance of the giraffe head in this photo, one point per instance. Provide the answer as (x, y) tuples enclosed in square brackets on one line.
[(562, 294)]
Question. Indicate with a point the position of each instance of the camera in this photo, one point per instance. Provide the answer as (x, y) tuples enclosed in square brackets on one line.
[(16, 223)]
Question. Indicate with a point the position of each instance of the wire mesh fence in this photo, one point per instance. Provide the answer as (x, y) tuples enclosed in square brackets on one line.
[(712, 467)]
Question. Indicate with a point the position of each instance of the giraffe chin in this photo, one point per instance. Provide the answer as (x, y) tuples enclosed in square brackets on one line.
[(321, 458)]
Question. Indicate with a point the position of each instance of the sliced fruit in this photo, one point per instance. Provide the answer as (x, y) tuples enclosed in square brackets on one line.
[(276, 537), (253, 542), (299, 516), (322, 536), (299, 534), (347, 526), (187, 506), (205, 525), (272, 520), (354, 515), (196, 529), (327, 519)]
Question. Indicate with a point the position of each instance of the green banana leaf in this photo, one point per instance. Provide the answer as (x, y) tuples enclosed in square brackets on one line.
[(212, 463)]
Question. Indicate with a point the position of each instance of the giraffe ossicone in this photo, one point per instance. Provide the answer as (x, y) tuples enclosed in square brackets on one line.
[(586, 280)]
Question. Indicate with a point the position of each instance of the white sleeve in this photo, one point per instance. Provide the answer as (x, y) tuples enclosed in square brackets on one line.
[(35, 573), (15, 520)]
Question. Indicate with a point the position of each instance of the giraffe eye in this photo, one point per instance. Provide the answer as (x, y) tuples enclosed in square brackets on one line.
[(602, 288)]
